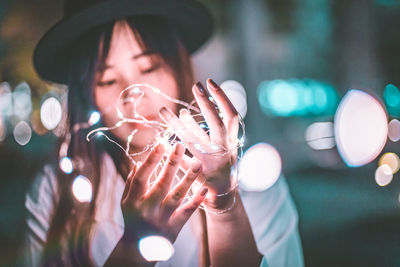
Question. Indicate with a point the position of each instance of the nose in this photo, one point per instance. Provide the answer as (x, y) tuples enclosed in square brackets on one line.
[(138, 100)]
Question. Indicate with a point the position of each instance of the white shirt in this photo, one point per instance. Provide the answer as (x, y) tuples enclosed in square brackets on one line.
[(272, 215)]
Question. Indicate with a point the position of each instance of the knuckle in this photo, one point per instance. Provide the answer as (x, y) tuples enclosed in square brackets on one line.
[(189, 210), (152, 159), (220, 124), (177, 195), (168, 207), (161, 183), (192, 176), (173, 162), (137, 183)]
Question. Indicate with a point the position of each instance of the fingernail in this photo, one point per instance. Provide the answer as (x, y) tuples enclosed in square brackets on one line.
[(183, 111), (165, 113), (178, 149), (204, 191), (196, 167), (200, 88), (214, 85)]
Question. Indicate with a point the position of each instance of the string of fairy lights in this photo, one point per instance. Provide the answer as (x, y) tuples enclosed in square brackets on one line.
[(166, 135)]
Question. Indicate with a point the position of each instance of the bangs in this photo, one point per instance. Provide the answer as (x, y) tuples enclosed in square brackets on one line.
[(156, 36)]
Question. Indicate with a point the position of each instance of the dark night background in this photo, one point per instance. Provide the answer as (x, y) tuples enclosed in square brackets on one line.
[(346, 219)]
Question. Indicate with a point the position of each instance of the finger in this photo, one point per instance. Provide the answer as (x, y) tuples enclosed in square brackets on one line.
[(160, 188), (128, 182), (138, 186), (229, 113), (194, 127), (194, 144), (177, 195), (186, 162), (214, 121), (127, 186), (181, 215)]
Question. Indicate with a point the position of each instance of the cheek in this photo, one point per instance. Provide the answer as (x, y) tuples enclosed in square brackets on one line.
[(102, 98), (105, 101), (169, 87)]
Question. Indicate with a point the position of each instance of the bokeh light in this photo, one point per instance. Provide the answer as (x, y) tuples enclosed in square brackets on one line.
[(390, 159), (94, 118), (155, 248), (22, 133), (383, 175), (360, 128), (394, 130), (391, 96), (296, 98), (82, 189), (5, 99), (236, 94), (51, 113), (319, 135), (22, 103), (260, 167), (66, 165)]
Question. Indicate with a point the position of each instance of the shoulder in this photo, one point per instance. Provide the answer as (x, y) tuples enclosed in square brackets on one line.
[(43, 187), (274, 222), (269, 200), (40, 201)]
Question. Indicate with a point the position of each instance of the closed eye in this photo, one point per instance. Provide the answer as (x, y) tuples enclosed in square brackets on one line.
[(151, 69), (106, 83)]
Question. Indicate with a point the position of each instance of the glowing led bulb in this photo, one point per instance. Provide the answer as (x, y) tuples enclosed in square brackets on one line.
[(214, 147), (197, 146), (156, 248), (119, 113), (130, 137), (82, 189), (66, 165), (94, 118)]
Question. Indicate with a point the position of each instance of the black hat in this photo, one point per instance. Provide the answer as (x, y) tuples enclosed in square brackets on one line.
[(192, 19)]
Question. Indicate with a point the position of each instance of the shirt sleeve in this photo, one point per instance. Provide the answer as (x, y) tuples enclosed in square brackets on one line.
[(274, 220), (39, 206)]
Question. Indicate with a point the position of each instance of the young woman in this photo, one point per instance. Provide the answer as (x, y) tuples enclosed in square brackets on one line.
[(99, 49)]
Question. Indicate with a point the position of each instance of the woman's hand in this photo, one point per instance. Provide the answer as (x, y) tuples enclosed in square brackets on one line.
[(221, 143), (158, 207)]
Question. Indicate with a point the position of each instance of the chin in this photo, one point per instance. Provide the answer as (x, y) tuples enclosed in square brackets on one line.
[(143, 137)]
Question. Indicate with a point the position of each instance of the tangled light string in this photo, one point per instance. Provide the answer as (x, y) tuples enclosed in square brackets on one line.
[(164, 134)]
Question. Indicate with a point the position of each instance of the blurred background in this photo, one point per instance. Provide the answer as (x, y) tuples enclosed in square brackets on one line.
[(321, 79)]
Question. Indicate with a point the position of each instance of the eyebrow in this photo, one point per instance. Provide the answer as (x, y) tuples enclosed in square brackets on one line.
[(134, 57)]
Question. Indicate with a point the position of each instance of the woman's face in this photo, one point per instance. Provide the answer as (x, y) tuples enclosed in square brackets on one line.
[(126, 64)]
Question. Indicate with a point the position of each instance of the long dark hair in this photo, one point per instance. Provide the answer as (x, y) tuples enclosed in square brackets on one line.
[(68, 235)]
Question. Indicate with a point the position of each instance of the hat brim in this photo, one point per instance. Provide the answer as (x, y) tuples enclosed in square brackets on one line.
[(193, 21)]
